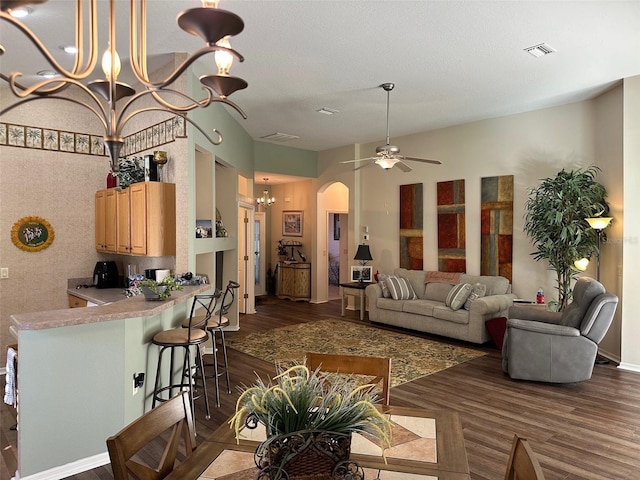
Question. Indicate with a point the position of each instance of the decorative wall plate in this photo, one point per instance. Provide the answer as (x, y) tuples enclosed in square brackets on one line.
[(32, 234)]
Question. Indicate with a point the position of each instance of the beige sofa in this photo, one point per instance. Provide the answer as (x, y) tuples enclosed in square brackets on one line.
[(429, 313)]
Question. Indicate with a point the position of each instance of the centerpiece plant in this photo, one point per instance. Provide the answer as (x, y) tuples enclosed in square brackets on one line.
[(299, 400), (162, 288)]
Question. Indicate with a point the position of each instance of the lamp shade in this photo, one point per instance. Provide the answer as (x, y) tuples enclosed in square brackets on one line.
[(363, 254), (581, 264), (599, 223)]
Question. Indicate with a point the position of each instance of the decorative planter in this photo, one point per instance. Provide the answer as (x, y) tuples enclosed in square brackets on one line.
[(307, 455), (151, 295)]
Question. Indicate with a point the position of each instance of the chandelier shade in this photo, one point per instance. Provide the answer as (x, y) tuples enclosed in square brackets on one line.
[(105, 98)]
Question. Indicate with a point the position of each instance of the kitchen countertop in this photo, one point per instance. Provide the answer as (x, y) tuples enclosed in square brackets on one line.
[(99, 296), (120, 308)]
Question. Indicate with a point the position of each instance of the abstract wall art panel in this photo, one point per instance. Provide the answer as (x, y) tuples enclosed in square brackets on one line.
[(451, 227), (411, 233), (496, 226)]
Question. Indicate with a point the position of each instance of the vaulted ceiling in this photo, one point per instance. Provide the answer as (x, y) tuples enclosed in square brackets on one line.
[(452, 61)]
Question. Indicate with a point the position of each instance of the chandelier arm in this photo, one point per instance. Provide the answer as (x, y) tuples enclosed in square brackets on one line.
[(161, 109), (96, 112), (39, 92), (232, 105), (143, 78), (194, 103), (93, 45), (37, 89), (164, 105), (76, 73), (138, 50), (201, 130), (16, 87)]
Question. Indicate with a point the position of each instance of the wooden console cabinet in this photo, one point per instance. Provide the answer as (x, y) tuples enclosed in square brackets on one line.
[(138, 220), (294, 281)]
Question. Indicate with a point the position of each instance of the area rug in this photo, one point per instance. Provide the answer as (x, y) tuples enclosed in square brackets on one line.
[(411, 357)]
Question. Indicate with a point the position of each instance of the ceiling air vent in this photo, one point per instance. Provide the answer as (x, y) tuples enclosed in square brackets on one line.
[(327, 111), (540, 50), (279, 137)]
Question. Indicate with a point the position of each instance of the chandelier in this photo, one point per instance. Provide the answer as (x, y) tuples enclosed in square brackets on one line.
[(266, 200), (211, 24)]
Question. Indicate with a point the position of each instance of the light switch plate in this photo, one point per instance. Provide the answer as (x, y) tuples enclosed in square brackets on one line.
[(4, 273)]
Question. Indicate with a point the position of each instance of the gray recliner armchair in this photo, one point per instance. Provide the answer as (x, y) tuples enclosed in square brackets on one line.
[(558, 347)]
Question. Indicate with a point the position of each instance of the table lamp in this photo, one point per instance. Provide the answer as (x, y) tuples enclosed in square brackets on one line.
[(363, 255)]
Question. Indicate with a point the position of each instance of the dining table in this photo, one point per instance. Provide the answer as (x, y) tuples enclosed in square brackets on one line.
[(426, 445)]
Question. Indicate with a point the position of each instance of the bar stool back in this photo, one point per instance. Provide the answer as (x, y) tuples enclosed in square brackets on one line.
[(216, 330), (192, 336)]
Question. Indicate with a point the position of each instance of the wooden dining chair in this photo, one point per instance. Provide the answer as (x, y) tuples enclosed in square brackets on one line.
[(522, 464), (377, 367), (174, 416)]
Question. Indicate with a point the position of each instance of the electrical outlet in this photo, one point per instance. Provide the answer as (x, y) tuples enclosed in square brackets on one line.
[(4, 273), (138, 382)]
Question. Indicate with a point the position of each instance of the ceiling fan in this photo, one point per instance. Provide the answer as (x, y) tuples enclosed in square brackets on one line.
[(388, 156)]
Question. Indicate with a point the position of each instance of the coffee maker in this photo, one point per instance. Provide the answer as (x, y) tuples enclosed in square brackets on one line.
[(105, 275)]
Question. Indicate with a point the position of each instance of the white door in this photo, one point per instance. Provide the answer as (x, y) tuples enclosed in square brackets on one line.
[(259, 240), (246, 300)]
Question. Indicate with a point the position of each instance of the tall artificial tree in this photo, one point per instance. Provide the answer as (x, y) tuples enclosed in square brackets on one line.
[(555, 223)]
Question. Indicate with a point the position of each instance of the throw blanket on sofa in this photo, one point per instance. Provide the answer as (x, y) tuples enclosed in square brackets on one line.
[(452, 278)]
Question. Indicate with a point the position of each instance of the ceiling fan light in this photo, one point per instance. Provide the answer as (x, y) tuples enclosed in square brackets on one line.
[(387, 163)]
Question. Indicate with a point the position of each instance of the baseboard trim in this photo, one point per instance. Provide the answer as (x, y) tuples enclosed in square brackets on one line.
[(630, 367), (73, 468)]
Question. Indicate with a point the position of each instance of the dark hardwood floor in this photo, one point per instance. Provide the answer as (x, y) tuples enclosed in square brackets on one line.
[(589, 430)]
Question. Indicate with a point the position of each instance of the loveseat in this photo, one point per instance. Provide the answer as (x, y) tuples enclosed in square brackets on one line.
[(439, 303)]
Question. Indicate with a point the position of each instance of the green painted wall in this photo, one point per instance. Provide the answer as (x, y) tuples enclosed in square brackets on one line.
[(286, 160)]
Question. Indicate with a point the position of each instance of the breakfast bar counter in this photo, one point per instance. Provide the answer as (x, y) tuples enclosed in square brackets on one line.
[(136, 306), (75, 377)]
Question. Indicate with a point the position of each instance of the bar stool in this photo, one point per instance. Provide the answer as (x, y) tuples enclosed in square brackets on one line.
[(192, 336), (214, 328)]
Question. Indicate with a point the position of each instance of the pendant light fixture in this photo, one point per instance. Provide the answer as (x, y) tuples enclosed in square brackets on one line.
[(266, 200), (208, 22)]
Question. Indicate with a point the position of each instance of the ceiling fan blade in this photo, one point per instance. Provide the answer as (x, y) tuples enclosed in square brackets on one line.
[(359, 160), (365, 165), (403, 166), (423, 160)]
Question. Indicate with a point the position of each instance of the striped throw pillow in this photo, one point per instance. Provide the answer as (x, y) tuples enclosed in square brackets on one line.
[(478, 291), (458, 295), (383, 285), (400, 288)]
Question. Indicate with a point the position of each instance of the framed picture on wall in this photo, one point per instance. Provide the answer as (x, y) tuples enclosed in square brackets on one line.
[(204, 229), (361, 274), (336, 226), (292, 223)]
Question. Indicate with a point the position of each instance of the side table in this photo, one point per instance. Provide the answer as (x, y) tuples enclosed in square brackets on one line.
[(354, 288)]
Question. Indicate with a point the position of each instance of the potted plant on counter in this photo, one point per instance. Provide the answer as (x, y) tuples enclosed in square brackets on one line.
[(154, 290), (309, 422)]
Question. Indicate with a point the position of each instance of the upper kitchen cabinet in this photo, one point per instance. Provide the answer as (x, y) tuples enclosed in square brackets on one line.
[(106, 220), (145, 220)]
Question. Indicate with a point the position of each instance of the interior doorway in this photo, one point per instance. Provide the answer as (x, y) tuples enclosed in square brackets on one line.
[(259, 244), (337, 246), (246, 258), (332, 235)]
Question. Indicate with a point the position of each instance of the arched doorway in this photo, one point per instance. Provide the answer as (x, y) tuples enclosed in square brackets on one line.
[(332, 239)]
